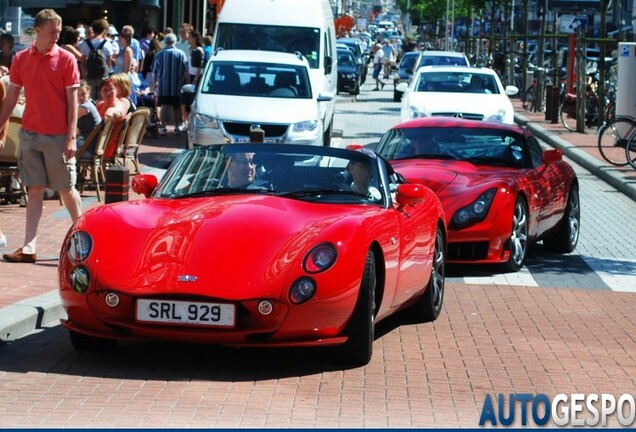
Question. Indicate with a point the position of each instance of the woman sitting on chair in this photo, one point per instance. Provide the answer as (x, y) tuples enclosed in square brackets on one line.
[(112, 106)]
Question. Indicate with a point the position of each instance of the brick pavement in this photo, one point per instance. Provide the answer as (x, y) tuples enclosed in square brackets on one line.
[(488, 340)]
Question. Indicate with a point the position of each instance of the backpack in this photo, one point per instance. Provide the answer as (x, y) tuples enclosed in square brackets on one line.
[(96, 66)]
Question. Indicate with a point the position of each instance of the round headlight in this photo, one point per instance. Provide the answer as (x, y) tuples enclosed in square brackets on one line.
[(302, 290), (320, 258), (80, 279), (79, 246), (479, 207)]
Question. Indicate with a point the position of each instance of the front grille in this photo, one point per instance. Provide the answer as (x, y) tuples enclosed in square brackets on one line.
[(243, 129), (468, 251), (468, 116)]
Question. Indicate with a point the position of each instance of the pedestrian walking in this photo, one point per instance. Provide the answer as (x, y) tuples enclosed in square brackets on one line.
[(97, 56), (377, 66), (170, 69), (50, 78)]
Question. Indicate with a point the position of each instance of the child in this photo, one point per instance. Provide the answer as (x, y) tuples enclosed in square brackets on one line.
[(87, 117)]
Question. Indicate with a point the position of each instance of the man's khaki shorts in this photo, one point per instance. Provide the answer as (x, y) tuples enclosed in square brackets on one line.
[(42, 161)]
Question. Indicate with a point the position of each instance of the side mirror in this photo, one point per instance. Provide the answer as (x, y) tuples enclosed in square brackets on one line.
[(328, 64), (511, 90), (144, 184), (410, 194), (551, 156), (189, 89), (409, 71), (325, 96)]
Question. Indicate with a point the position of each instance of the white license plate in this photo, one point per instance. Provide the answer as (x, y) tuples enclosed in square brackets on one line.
[(244, 140), (186, 313)]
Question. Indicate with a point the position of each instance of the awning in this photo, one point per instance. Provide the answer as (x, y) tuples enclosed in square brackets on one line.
[(38, 3)]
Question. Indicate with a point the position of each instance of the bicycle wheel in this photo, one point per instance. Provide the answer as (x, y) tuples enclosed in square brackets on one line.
[(568, 120), (613, 138), (630, 151), (528, 98)]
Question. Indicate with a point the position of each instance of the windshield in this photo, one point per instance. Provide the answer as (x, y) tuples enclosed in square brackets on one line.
[(257, 79), (456, 82), (345, 58), (480, 146), (301, 172), (271, 38)]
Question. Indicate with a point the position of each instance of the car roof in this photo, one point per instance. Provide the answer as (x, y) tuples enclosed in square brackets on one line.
[(454, 122), (443, 53), (261, 56), (460, 69)]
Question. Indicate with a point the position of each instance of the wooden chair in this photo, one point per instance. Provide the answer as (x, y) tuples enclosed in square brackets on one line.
[(118, 130), (9, 160), (90, 169), (134, 134)]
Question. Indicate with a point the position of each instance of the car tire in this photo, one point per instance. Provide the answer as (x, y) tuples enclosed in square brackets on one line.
[(429, 306), (84, 342), (518, 242), (566, 237), (361, 328)]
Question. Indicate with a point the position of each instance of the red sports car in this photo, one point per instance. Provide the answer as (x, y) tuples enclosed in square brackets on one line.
[(257, 245), (500, 190)]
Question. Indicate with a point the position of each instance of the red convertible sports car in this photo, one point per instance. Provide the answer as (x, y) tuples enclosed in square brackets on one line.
[(500, 190), (257, 245)]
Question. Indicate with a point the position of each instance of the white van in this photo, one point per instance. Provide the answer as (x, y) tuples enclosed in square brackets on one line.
[(305, 26)]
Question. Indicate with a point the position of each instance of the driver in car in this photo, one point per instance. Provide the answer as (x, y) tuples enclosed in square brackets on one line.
[(241, 173)]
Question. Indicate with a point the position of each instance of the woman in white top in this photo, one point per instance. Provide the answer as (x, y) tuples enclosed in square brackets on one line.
[(125, 56)]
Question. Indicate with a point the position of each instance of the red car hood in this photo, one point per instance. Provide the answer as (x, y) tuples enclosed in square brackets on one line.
[(238, 246), (450, 178)]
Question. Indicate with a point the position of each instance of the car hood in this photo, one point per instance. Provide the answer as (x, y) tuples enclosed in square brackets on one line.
[(473, 103), (451, 178), (250, 109), (229, 247), (347, 69)]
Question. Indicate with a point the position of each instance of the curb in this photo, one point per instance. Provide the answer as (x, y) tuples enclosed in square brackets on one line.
[(25, 317), (581, 157)]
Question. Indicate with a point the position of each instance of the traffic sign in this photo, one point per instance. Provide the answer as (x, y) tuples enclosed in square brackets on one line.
[(570, 23)]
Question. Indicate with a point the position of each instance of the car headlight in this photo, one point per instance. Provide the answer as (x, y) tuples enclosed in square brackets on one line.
[(350, 76), (202, 121), (320, 258), (307, 125), (80, 279), (416, 113), (499, 116), (474, 212), (80, 246), (302, 290)]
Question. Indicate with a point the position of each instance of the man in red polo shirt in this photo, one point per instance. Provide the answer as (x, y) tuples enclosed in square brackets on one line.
[(50, 78)]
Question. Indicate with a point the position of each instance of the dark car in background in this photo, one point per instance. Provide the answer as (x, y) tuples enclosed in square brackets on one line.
[(407, 66), (349, 79), (357, 47)]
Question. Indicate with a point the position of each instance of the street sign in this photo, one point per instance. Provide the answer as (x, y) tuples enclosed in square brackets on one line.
[(570, 23)]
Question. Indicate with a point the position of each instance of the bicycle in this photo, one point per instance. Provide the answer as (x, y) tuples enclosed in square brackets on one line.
[(615, 141), (630, 151)]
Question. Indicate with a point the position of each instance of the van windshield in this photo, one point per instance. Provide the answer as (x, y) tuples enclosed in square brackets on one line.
[(271, 38)]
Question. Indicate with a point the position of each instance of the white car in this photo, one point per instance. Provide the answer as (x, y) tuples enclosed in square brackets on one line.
[(243, 89), (457, 91)]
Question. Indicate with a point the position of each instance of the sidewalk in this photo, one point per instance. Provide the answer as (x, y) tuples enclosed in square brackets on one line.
[(581, 148), (28, 292)]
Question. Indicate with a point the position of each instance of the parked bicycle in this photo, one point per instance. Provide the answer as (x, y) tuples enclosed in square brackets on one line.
[(616, 141)]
